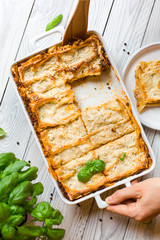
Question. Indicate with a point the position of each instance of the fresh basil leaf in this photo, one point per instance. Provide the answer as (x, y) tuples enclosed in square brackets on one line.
[(28, 205), (122, 158), (42, 211), (8, 231), (55, 234), (20, 194), (90, 169), (28, 175), (2, 133), (14, 167), (30, 231), (84, 174), (15, 210), (7, 184), (4, 212), (16, 220), (54, 22), (89, 163), (99, 165), (6, 159), (37, 189), (57, 217)]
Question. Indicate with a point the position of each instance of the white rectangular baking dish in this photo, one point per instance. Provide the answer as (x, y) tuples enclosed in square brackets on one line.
[(92, 93)]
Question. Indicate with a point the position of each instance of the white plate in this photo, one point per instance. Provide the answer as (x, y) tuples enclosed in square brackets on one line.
[(151, 116)]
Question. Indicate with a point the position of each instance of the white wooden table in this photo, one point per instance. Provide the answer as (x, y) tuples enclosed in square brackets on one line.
[(134, 22)]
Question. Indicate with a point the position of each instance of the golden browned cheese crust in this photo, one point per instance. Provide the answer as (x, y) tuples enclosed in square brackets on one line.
[(147, 89), (68, 136)]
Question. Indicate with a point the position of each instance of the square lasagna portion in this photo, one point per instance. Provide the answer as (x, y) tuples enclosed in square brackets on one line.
[(119, 165), (147, 89), (67, 175), (108, 122), (68, 136), (78, 150), (65, 136), (97, 118)]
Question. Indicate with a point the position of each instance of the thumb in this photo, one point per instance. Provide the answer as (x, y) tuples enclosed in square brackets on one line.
[(122, 195)]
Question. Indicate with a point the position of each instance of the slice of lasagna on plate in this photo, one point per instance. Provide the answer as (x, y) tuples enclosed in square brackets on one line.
[(147, 89)]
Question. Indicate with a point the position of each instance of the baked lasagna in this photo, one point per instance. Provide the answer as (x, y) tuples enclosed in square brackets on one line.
[(147, 89), (70, 137)]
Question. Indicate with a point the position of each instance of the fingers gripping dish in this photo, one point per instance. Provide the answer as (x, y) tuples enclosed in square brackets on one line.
[(70, 138)]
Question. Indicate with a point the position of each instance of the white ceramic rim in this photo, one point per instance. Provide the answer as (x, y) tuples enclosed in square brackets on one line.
[(101, 204), (126, 70)]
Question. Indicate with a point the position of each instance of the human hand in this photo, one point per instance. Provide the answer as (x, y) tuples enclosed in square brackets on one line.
[(141, 201)]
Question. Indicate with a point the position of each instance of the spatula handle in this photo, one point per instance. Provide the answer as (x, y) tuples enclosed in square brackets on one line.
[(77, 27)]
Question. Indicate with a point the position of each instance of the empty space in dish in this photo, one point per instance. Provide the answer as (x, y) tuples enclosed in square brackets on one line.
[(151, 115), (96, 90)]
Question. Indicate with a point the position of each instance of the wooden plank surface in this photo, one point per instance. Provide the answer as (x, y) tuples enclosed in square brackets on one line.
[(127, 24), (13, 20), (135, 22)]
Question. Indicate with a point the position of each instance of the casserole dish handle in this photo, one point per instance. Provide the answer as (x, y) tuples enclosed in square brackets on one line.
[(58, 29), (103, 204)]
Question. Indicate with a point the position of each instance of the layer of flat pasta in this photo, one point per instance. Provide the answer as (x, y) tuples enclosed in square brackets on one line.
[(111, 132), (147, 88), (71, 153), (55, 112), (68, 136), (70, 62), (96, 118), (136, 159), (64, 136), (67, 175)]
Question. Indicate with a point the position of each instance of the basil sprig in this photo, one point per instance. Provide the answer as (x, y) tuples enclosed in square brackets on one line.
[(123, 157), (90, 169), (18, 197), (54, 22)]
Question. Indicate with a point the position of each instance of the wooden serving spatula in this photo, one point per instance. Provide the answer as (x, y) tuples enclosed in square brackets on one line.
[(77, 27)]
